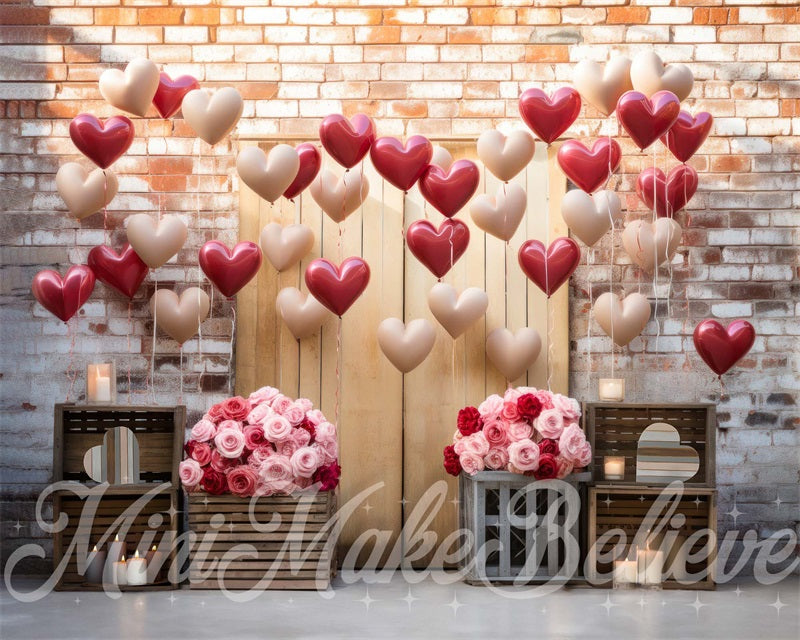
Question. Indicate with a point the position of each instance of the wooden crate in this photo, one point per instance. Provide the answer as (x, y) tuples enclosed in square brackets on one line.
[(297, 552), (614, 429), (495, 508), (159, 432), (625, 508), (156, 521)]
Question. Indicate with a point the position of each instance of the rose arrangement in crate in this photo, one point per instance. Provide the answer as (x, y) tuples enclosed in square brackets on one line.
[(527, 431), (267, 444)]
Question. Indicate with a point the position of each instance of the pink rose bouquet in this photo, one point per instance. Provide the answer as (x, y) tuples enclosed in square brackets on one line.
[(529, 431), (265, 444)]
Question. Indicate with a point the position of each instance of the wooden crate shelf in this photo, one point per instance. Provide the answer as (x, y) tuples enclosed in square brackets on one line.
[(299, 552)]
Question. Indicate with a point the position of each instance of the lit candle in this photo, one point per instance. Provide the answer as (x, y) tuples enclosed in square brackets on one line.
[(120, 572), (116, 550), (650, 567), (137, 570), (614, 467), (155, 560), (99, 387), (95, 563), (624, 572), (612, 389)]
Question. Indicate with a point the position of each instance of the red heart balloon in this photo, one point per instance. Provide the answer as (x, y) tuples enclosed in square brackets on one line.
[(230, 270), (64, 297), (310, 162), (347, 141), (590, 170), (687, 134), (549, 117), (722, 348), (646, 120), (170, 93), (549, 270), (102, 142), (448, 191), (337, 287), (402, 165), (438, 249), (122, 271), (671, 192)]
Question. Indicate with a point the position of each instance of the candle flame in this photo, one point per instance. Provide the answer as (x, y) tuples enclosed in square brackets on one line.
[(136, 555), (154, 547), (116, 538), (123, 559)]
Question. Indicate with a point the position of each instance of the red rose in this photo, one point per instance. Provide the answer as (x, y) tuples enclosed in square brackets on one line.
[(312, 430), (254, 436), (189, 447), (215, 413), (548, 467), (328, 476), (236, 408), (201, 452), (242, 481), (529, 407), (469, 421), (548, 445), (214, 482), (221, 463), (452, 465)]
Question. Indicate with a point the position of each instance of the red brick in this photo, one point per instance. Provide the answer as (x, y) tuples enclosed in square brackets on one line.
[(160, 15), (20, 14), (201, 15), (115, 16), (627, 15), (547, 53)]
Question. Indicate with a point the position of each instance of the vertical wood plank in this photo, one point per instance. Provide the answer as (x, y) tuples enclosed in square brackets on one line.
[(559, 302)]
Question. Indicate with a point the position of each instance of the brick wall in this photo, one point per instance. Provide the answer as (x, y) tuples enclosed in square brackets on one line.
[(428, 68)]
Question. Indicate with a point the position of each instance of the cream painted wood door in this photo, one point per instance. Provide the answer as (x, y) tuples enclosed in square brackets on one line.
[(392, 428)]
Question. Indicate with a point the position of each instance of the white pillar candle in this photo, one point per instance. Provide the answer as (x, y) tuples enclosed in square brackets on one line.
[(120, 572), (95, 564), (625, 572), (137, 570), (100, 383), (155, 560), (612, 389), (116, 550), (614, 467), (651, 566)]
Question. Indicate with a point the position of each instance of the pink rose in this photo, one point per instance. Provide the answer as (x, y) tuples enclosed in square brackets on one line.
[(229, 424), (564, 467), (572, 444), (305, 404), (235, 408), (524, 455), (510, 412), (568, 407), (328, 450), (287, 447), (496, 433), (301, 437), (583, 456), (191, 474), (277, 428), (294, 414), (276, 467), (545, 397), (229, 443), (303, 483), (550, 424), (263, 395), (254, 436), (204, 431), (325, 431), (471, 463), (315, 417), (305, 462), (259, 414), (242, 481), (274, 487), (201, 452), (281, 403), (214, 414), (261, 453), (491, 407), (496, 459), (476, 443), (221, 463), (519, 431), (512, 395)]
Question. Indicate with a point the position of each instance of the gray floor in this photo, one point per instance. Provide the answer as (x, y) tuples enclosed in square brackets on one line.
[(743, 610)]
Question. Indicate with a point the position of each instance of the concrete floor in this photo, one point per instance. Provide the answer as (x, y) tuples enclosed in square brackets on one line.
[(743, 610)]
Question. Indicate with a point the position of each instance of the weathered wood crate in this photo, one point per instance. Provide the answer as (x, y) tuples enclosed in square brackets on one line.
[(289, 544), (612, 507), (614, 429), (520, 533)]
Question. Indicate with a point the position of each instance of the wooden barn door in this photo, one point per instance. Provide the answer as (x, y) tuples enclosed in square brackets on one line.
[(392, 428)]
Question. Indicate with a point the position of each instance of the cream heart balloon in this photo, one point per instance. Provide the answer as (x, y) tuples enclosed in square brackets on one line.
[(590, 216), (84, 192), (457, 313), (268, 175), (302, 313), (339, 197), (651, 244), (156, 241), (500, 215), (406, 345), (286, 246), (513, 353), (602, 86), (505, 156), (180, 318), (212, 117), (131, 90), (622, 320), (648, 75), (441, 157)]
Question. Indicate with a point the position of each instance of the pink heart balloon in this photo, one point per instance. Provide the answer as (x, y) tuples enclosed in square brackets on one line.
[(337, 287), (549, 269), (589, 169), (310, 162), (688, 134), (64, 297), (170, 93), (549, 117), (228, 269), (671, 192), (647, 119), (402, 165), (102, 142), (448, 191), (123, 271), (347, 141), (438, 249), (722, 348)]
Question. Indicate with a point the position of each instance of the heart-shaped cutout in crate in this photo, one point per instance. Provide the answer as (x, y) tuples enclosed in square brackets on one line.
[(661, 458), (116, 461)]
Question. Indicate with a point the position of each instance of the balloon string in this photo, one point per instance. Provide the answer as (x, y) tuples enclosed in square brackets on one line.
[(655, 253), (105, 206), (550, 322), (230, 346), (72, 373), (611, 282), (180, 397), (276, 331), (338, 392), (383, 217), (130, 355), (722, 389), (589, 261), (153, 349), (505, 282)]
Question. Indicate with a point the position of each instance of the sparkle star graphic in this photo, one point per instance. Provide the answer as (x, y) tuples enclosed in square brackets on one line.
[(77, 601), (367, 507), (642, 602), (778, 502), (607, 501), (735, 513), (697, 605), (18, 526), (607, 605), (454, 604), (172, 599), (367, 600), (738, 591), (409, 598), (778, 605)]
